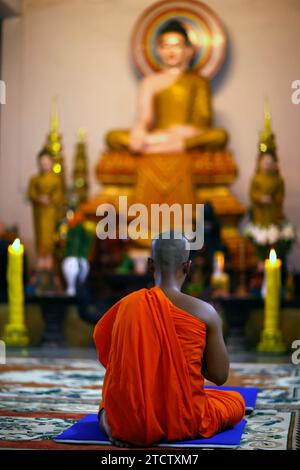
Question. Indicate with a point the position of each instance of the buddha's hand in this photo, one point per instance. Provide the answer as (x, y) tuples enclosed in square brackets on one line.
[(137, 140), (266, 199), (44, 199), (186, 131)]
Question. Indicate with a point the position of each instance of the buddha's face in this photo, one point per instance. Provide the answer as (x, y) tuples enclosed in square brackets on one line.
[(45, 163), (173, 50), (267, 163)]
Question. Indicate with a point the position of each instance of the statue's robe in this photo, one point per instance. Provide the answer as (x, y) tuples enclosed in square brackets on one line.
[(153, 386), (187, 101), (273, 185), (45, 216)]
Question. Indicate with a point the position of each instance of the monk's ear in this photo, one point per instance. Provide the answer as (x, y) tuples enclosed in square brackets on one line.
[(150, 265), (186, 266)]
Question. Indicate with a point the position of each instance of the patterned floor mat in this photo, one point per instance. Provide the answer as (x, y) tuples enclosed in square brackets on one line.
[(39, 398)]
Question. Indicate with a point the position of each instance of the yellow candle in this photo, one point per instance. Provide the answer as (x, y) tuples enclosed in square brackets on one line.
[(220, 279), (271, 339), (219, 261), (273, 286), (15, 333)]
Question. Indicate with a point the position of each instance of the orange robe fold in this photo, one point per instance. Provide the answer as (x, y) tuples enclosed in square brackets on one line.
[(153, 386)]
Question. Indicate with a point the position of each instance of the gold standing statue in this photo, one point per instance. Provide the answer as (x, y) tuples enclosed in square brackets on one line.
[(267, 185), (45, 191), (269, 227), (267, 192)]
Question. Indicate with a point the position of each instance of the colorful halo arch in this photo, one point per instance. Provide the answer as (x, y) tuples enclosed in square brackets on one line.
[(203, 26)]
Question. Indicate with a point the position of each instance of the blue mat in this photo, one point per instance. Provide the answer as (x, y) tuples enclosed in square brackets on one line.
[(87, 431)]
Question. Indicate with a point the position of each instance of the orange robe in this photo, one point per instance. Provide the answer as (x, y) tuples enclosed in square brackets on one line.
[(153, 386)]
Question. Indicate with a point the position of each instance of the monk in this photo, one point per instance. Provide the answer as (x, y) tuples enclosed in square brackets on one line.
[(158, 345)]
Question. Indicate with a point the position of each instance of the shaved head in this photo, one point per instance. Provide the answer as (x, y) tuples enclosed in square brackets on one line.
[(169, 251)]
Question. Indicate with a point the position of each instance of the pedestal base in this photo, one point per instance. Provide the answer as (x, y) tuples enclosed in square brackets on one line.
[(15, 336), (191, 177), (271, 342)]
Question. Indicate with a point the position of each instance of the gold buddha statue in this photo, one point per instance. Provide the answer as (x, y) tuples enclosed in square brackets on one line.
[(173, 154), (174, 109)]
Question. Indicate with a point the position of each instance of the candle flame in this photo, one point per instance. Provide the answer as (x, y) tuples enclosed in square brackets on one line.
[(16, 244), (219, 261), (273, 256)]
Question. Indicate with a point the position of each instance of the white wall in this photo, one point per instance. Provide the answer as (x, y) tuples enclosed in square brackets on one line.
[(79, 50)]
